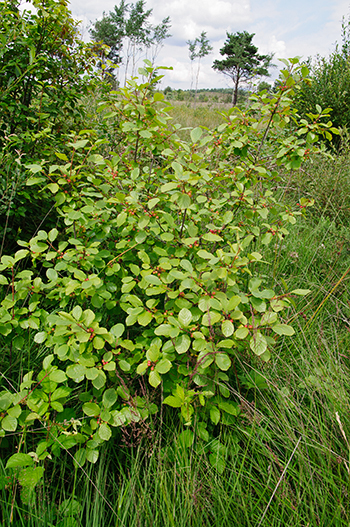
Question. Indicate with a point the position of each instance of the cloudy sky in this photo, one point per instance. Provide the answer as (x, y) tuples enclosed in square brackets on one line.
[(286, 28)]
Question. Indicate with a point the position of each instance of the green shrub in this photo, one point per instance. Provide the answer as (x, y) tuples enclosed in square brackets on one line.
[(329, 84), (155, 286), (44, 73)]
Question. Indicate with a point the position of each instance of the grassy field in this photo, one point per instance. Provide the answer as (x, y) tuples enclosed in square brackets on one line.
[(288, 454)]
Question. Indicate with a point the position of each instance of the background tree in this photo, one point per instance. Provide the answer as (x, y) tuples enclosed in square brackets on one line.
[(263, 85), (158, 34), (192, 54), (242, 62), (138, 32), (127, 31), (111, 31), (198, 49)]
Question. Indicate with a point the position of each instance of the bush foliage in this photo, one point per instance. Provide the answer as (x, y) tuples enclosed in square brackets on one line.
[(329, 82), (141, 284), (154, 286)]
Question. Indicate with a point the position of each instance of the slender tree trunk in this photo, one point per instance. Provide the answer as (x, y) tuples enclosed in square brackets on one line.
[(197, 77), (127, 62), (133, 59), (235, 92)]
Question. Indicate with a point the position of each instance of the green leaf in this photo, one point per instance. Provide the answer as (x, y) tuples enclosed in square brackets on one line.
[(76, 372), (154, 378), (104, 432), (218, 462), (182, 343), (227, 328), (19, 255), (168, 186), (241, 333), (52, 235), (48, 361), (121, 218), (210, 237), (15, 411), (91, 409), (173, 401), (39, 338), (5, 400), (19, 460), (56, 405), (301, 292), (214, 415), (229, 408), (100, 380), (222, 361), (144, 318), (163, 366), (205, 255), (152, 279), (60, 393), (117, 330), (91, 373), (79, 144), (196, 134), (211, 318), (9, 423), (53, 187), (152, 353), (163, 329), (7, 261), (80, 457), (177, 167), (152, 203), (283, 329), (184, 201), (268, 318), (124, 365), (57, 376), (98, 343), (34, 181), (92, 455), (77, 312), (52, 274), (142, 368), (34, 168), (185, 317), (258, 343)]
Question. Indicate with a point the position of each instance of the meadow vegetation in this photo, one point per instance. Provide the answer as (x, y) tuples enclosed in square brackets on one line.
[(174, 311)]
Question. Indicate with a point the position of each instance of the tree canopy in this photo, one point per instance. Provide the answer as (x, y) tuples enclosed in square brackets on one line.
[(242, 61), (129, 24)]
